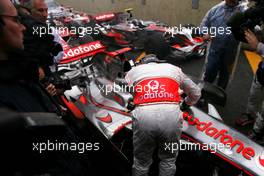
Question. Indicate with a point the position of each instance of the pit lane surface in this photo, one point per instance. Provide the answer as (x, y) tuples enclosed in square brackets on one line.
[(238, 88)]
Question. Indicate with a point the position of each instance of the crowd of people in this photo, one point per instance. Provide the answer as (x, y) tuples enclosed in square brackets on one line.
[(27, 62), (220, 59), (23, 65)]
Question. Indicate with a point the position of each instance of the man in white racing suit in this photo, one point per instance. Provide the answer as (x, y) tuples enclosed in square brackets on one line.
[(157, 118)]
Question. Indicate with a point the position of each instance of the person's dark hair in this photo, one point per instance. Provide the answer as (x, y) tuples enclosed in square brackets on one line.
[(241, 21), (28, 4), (20, 9), (156, 44)]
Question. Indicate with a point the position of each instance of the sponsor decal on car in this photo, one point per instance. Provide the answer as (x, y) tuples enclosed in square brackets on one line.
[(260, 161), (105, 17), (82, 49), (221, 135), (156, 90), (105, 119)]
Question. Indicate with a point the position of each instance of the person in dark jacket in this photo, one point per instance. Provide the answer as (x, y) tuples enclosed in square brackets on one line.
[(19, 89), (39, 39), (39, 43), (21, 92)]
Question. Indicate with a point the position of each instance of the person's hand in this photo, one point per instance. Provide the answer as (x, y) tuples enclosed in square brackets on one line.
[(59, 91), (130, 106), (251, 39), (41, 73), (51, 89), (184, 107)]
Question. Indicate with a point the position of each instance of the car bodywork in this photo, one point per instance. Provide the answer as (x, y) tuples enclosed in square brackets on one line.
[(106, 109)]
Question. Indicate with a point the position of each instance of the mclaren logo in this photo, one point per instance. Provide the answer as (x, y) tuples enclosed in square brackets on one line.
[(260, 161), (105, 119)]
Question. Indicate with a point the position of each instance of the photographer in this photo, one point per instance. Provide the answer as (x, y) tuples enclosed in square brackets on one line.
[(40, 47), (19, 89), (255, 111), (44, 49), (254, 42), (243, 25), (21, 92)]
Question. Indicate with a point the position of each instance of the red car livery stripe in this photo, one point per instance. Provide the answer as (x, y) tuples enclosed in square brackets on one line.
[(73, 108), (118, 52)]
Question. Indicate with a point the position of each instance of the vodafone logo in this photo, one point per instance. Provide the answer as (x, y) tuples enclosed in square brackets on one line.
[(156, 95), (160, 89), (222, 136), (105, 17), (153, 85), (82, 49), (260, 161)]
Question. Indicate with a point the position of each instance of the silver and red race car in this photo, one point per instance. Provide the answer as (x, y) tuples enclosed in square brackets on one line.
[(133, 33), (99, 97), (96, 95)]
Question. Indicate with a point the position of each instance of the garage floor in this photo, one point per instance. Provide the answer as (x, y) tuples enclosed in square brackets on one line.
[(238, 89)]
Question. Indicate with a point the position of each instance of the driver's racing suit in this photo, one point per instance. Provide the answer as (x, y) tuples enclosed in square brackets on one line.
[(157, 119)]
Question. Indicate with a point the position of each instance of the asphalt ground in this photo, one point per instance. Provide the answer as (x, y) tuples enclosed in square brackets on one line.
[(238, 88)]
